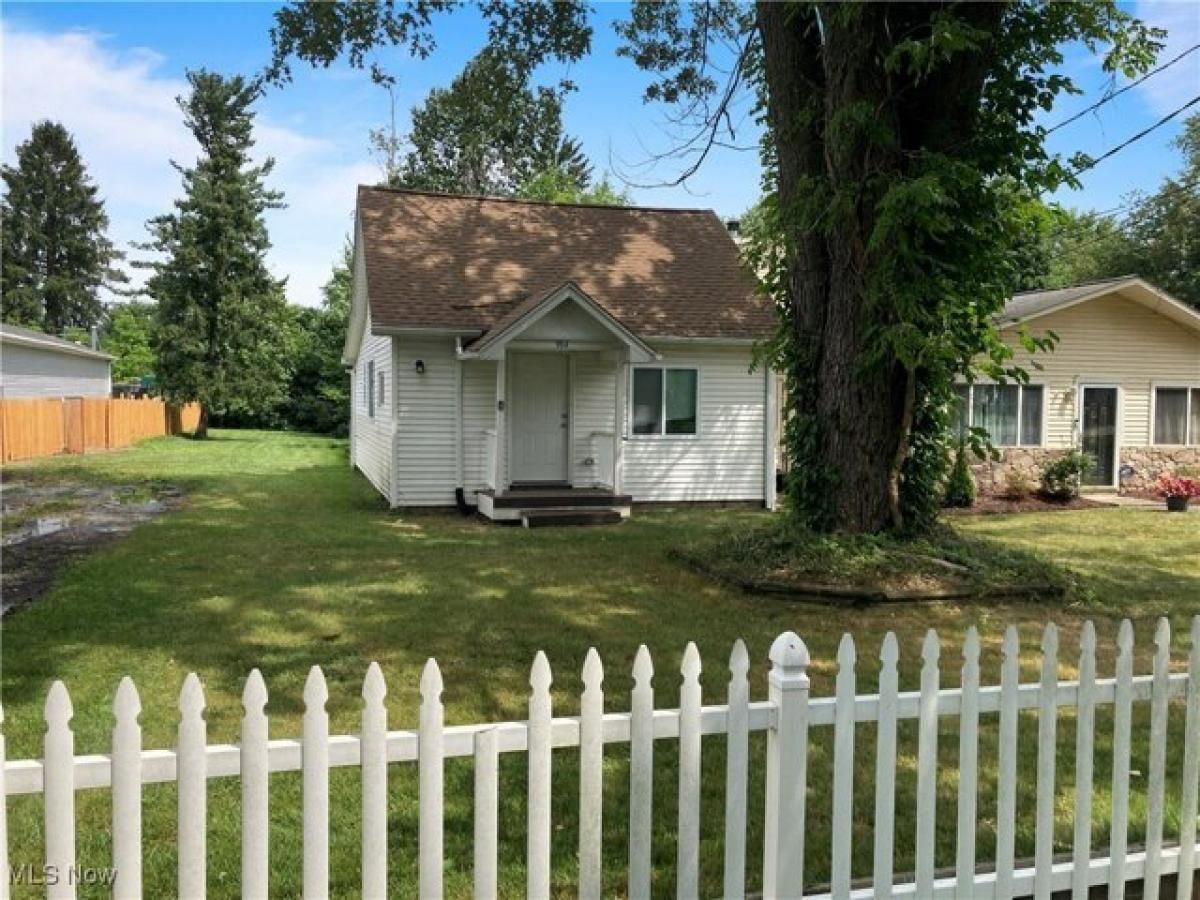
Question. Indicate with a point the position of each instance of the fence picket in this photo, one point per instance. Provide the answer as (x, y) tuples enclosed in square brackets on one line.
[(787, 768), (373, 760), (843, 771), (193, 789), (1191, 772), (927, 740), (255, 789), (687, 868), (1158, 760), (1122, 720), (641, 774), (1006, 785), (1043, 852), (127, 792), (315, 762), (430, 763), (537, 886), (591, 777), (885, 770), (59, 754), (737, 767), (3, 817), (487, 809), (1085, 725), (968, 765)]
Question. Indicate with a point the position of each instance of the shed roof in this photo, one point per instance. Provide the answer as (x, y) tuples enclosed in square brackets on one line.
[(29, 337), (467, 263)]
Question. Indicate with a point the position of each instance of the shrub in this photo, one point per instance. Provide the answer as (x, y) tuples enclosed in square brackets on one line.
[(1061, 477), (1017, 485), (960, 486)]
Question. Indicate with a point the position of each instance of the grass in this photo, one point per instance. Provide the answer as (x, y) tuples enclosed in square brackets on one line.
[(283, 558)]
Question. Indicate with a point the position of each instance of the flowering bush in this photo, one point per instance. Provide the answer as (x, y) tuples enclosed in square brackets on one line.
[(1177, 486)]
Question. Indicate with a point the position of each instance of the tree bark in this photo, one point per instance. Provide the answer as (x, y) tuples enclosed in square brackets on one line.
[(201, 431)]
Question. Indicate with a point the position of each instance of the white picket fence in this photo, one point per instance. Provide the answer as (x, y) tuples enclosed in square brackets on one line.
[(786, 716)]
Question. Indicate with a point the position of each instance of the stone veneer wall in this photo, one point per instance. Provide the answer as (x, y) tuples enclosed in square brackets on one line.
[(1147, 463)]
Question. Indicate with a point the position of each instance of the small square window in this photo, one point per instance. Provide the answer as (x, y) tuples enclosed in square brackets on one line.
[(665, 401)]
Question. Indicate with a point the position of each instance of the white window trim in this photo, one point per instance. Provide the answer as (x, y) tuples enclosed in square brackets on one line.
[(1118, 443), (1190, 440), (662, 434), (371, 388), (1041, 442)]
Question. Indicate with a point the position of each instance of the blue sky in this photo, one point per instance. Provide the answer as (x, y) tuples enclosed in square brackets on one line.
[(110, 71)]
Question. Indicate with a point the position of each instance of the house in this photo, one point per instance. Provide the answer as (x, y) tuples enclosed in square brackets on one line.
[(554, 362), (1123, 385), (34, 364)]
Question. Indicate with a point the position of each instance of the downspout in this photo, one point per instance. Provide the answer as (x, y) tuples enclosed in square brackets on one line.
[(460, 493)]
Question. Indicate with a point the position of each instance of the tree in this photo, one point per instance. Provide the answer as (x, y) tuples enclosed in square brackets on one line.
[(559, 186), (129, 337), (319, 393), (56, 256), (487, 133), (897, 137), (222, 337)]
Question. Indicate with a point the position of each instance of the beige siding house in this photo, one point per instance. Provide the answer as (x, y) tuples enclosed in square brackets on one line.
[(1123, 385), (552, 363)]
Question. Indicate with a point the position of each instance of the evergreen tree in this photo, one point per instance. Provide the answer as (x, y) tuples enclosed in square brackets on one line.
[(129, 337), (223, 338), (55, 252)]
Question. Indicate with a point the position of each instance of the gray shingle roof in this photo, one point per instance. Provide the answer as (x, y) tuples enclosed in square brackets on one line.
[(29, 336), (1031, 303)]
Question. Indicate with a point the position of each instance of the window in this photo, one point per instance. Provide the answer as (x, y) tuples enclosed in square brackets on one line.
[(1010, 413), (371, 388), (664, 401), (1177, 415)]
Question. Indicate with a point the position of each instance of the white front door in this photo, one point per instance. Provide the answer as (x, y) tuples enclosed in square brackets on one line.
[(538, 401)]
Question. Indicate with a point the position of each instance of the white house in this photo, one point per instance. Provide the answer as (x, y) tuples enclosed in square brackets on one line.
[(1122, 384), (554, 362), (33, 364)]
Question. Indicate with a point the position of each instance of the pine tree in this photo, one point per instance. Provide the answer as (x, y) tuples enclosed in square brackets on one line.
[(223, 337), (55, 252)]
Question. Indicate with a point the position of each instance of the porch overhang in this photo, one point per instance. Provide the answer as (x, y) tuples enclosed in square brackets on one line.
[(514, 326)]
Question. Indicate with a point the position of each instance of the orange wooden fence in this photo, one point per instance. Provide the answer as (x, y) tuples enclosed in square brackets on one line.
[(44, 427)]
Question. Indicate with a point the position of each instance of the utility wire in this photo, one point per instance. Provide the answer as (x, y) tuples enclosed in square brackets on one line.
[(1117, 93), (1137, 137)]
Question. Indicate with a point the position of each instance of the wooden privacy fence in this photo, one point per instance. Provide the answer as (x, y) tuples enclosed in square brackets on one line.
[(787, 716), (44, 427)]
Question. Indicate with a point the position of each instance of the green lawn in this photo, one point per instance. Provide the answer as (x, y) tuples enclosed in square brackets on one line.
[(283, 558)]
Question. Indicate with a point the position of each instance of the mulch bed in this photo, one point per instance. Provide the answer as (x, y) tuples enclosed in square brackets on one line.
[(991, 506)]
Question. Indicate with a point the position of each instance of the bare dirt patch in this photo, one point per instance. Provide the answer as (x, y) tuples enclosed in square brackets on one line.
[(45, 526), (990, 506)]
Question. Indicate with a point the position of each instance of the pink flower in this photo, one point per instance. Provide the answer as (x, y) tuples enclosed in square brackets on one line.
[(1176, 486)]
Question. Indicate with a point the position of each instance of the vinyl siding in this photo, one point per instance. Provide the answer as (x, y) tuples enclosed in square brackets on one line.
[(1110, 340), (479, 415), (593, 400), (725, 460), (32, 372), (373, 435), (425, 469)]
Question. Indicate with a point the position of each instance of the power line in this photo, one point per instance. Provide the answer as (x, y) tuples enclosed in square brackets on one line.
[(1118, 93), (1137, 137)]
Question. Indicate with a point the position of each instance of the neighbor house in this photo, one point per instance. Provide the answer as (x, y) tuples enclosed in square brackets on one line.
[(1122, 384), (554, 362), (34, 364)]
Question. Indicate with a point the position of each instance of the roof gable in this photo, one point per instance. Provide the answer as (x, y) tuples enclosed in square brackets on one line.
[(1032, 305), (466, 263)]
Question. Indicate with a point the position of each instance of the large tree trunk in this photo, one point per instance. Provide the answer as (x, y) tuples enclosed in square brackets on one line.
[(819, 64), (201, 431)]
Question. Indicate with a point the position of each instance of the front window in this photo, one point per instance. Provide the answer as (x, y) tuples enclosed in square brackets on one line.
[(664, 401), (1177, 415), (1010, 413)]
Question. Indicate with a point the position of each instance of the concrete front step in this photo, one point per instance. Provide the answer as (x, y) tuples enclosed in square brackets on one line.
[(543, 518)]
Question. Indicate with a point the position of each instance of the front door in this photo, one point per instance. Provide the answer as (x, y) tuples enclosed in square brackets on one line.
[(539, 416), (1099, 433)]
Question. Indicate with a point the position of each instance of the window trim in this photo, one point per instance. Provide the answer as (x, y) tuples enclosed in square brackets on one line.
[(1041, 442), (381, 390), (1189, 439), (661, 435), (371, 388)]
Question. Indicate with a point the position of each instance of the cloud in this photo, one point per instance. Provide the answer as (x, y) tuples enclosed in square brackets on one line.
[(120, 106), (1171, 88)]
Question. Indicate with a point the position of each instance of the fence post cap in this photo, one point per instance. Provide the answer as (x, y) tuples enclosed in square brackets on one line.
[(789, 652)]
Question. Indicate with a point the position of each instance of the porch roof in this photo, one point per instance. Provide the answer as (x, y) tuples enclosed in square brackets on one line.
[(491, 345)]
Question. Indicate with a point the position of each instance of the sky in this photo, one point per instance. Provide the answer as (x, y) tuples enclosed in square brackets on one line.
[(110, 72)]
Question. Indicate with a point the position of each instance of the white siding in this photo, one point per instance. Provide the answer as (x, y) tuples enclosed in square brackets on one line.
[(425, 470), (1113, 340), (725, 460), (594, 398), (373, 435), (31, 372), (479, 415)]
